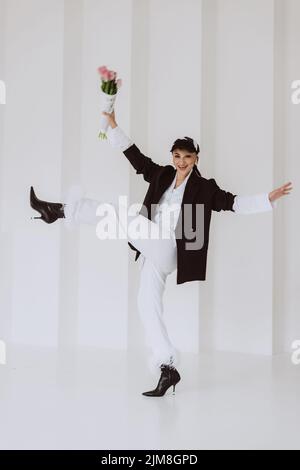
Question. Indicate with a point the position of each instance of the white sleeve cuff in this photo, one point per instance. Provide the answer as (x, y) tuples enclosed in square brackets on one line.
[(118, 139), (253, 204)]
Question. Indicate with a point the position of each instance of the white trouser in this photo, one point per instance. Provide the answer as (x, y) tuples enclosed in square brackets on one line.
[(158, 258)]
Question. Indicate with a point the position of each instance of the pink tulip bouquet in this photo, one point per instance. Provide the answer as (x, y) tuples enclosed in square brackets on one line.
[(109, 87)]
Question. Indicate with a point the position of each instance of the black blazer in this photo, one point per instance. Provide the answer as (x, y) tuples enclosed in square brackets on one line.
[(191, 264)]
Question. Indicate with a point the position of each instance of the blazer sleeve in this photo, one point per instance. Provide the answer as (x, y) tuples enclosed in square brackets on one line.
[(140, 162), (221, 200)]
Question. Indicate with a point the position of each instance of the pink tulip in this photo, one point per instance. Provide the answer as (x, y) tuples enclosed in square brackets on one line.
[(106, 75), (111, 75), (102, 69), (119, 83)]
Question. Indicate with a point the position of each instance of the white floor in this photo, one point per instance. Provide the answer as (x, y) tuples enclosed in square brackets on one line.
[(93, 400)]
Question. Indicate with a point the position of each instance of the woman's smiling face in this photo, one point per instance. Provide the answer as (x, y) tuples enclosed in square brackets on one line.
[(184, 161)]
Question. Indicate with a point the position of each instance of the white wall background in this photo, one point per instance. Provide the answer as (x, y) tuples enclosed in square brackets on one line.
[(218, 70)]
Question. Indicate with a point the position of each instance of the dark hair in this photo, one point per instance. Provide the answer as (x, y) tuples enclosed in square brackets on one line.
[(185, 144)]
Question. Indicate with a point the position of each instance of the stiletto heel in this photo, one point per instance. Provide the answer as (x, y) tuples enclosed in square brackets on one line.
[(50, 211), (169, 376)]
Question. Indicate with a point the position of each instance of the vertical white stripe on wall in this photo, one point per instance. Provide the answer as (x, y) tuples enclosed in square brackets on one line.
[(287, 147), (243, 245), (32, 149), (71, 144), (2, 78), (207, 157), (5, 236), (281, 99), (139, 132), (2, 106), (103, 264)]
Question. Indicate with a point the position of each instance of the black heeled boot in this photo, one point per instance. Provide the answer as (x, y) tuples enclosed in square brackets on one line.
[(169, 376), (50, 211)]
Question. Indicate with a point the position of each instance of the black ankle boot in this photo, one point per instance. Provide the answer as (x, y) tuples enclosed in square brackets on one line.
[(169, 376), (50, 211)]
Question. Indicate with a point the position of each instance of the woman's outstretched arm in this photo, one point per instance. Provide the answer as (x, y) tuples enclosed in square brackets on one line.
[(226, 201), (260, 202)]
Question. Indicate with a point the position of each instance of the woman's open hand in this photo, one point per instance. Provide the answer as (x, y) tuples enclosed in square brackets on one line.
[(279, 192), (111, 118)]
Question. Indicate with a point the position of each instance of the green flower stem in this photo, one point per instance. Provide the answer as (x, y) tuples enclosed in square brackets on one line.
[(102, 135)]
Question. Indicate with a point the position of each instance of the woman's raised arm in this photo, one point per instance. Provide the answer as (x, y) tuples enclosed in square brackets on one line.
[(115, 135), (118, 139)]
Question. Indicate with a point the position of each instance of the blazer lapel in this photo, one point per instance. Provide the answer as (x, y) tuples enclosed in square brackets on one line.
[(164, 182), (192, 186)]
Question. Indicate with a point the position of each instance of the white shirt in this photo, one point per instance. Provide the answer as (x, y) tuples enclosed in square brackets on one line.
[(169, 206)]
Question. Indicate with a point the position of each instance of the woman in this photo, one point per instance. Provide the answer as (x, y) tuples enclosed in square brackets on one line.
[(179, 196)]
